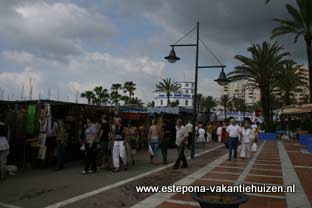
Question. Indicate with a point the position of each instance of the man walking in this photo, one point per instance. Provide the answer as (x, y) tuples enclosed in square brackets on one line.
[(233, 131), (189, 129), (181, 137)]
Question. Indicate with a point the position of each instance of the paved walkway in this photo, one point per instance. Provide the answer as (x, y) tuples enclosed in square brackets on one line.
[(41, 188), (275, 163)]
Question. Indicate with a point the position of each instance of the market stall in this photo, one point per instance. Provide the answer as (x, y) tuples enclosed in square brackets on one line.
[(30, 121)]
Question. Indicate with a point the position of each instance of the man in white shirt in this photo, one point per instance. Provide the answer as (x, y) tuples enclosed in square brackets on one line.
[(181, 137), (233, 131), (189, 129)]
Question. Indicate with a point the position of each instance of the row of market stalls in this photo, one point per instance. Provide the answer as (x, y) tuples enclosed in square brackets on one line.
[(297, 110), (29, 122), (299, 117)]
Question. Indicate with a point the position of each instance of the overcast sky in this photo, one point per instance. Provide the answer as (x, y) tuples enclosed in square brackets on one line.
[(74, 45)]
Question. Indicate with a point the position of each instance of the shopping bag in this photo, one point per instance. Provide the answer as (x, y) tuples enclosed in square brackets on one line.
[(150, 150), (254, 147), (83, 147)]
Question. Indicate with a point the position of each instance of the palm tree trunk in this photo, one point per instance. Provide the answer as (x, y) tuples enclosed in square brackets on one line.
[(224, 112), (129, 96), (309, 53), (168, 99), (265, 103), (287, 98)]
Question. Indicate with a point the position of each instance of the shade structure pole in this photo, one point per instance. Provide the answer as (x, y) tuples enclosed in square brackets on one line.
[(195, 94)]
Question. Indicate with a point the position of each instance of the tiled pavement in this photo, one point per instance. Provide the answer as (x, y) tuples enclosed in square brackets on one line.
[(275, 163), (302, 163)]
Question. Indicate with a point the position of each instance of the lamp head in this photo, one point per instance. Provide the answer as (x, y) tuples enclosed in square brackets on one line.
[(222, 80), (172, 58)]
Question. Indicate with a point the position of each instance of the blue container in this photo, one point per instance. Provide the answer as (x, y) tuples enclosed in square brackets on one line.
[(303, 138), (267, 136), (309, 144), (281, 132)]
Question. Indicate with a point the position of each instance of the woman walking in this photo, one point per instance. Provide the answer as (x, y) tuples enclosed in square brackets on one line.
[(119, 135), (153, 139), (246, 137), (209, 132), (90, 147), (219, 132), (104, 142), (223, 133), (133, 138), (201, 134)]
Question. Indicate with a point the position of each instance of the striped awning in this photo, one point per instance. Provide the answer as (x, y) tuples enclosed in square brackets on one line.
[(297, 109)]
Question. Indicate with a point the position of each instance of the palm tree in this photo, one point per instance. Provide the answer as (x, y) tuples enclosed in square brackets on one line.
[(200, 97), (104, 97), (168, 86), (129, 87), (115, 96), (253, 107), (150, 104), (260, 70), (289, 82), (101, 95), (137, 102), (208, 103), (239, 104), (299, 24), (175, 103), (89, 95), (225, 101), (97, 92)]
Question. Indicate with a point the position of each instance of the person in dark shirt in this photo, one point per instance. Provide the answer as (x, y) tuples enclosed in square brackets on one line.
[(104, 141)]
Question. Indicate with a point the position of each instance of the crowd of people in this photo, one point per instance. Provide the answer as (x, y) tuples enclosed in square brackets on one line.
[(232, 135), (117, 143), (112, 144)]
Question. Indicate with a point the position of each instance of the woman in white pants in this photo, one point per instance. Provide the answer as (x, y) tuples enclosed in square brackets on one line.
[(119, 135), (246, 136), (201, 134), (219, 132)]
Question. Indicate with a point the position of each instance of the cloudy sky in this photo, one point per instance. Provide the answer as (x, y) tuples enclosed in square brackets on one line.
[(74, 45)]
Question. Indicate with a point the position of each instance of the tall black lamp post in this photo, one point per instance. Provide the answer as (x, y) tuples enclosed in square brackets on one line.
[(222, 80)]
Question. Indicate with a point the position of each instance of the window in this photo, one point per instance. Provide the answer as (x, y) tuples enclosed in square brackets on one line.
[(186, 84), (186, 102), (186, 91), (161, 102)]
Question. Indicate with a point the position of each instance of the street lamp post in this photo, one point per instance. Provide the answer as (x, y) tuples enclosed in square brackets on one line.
[(222, 80)]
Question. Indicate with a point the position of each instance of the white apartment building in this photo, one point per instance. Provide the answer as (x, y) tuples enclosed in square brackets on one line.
[(303, 93), (241, 90), (300, 97), (185, 97)]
